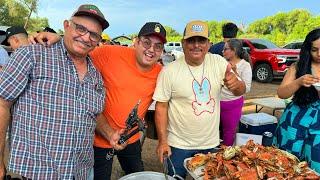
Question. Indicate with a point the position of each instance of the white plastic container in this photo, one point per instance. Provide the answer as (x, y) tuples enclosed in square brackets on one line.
[(257, 123)]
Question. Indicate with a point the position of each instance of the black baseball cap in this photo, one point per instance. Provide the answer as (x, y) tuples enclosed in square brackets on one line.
[(13, 30), (92, 11), (153, 28), (48, 29)]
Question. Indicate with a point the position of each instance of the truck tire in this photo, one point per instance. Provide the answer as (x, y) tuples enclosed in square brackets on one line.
[(263, 73)]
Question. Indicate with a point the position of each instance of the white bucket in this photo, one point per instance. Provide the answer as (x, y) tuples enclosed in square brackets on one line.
[(146, 175)]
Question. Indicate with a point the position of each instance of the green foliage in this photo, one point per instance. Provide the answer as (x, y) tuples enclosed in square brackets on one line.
[(174, 38), (215, 30), (37, 24), (4, 10), (283, 28), (60, 31), (172, 35), (12, 13), (170, 31), (132, 36), (17, 12)]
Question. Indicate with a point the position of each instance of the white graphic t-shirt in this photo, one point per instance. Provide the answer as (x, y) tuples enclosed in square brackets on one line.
[(193, 93)]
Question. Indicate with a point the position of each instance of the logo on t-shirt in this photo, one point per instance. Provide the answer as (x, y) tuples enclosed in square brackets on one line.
[(203, 101)]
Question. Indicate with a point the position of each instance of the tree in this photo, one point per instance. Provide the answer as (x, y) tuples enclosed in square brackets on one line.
[(13, 13), (37, 24), (262, 26), (300, 30), (32, 6), (172, 34), (4, 12), (215, 30), (18, 13), (60, 31), (283, 27)]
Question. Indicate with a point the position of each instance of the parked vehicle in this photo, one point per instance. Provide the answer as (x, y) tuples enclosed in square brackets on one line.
[(169, 46), (166, 58), (293, 45), (268, 60), (177, 53)]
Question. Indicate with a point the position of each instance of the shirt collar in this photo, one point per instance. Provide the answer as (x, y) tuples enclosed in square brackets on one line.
[(90, 66)]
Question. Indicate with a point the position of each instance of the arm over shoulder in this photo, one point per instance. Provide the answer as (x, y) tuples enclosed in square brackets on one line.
[(16, 74)]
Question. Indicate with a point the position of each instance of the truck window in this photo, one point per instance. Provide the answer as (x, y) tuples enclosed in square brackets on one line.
[(246, 47), (263, 44)]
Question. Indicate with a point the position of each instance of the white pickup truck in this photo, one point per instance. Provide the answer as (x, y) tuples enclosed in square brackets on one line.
[(169, 46)]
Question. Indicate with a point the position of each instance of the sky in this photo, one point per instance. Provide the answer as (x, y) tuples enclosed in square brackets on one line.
[(128, 16)]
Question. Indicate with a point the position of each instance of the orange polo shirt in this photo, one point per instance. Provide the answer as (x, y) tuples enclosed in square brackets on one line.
[(124, 84)]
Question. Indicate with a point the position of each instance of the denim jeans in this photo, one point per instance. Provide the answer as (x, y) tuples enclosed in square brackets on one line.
[(129, 159), (177, 157)]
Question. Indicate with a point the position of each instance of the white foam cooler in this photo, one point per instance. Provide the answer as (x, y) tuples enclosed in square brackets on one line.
[(257, 123)]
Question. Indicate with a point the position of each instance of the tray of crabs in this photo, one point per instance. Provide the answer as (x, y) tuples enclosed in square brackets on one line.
[(249, 161)]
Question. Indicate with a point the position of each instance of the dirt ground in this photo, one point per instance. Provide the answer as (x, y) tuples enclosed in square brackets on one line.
[(151, 162)]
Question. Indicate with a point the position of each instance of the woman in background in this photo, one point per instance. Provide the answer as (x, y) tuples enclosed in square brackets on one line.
[(231, 106), (298, 131)]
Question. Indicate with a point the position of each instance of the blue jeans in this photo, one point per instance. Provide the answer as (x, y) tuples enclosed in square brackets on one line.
[(177, 157)]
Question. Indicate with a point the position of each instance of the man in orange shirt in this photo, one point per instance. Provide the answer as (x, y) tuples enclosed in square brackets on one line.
[(129, 75)]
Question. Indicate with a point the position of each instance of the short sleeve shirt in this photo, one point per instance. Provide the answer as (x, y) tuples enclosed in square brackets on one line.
[(53, 115), (126, 85), (193, 95)]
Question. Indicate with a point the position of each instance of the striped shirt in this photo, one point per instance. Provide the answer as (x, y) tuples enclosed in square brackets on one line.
[(53, 116)]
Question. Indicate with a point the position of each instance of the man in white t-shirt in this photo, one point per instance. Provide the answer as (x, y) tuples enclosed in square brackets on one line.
[(188, 98)]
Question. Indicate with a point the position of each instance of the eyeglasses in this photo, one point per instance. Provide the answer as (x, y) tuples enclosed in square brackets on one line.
[(146, 43), (95, 37)]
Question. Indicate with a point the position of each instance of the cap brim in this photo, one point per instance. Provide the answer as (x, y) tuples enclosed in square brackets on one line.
[(104, 23), (195, 35), (163, 39)]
